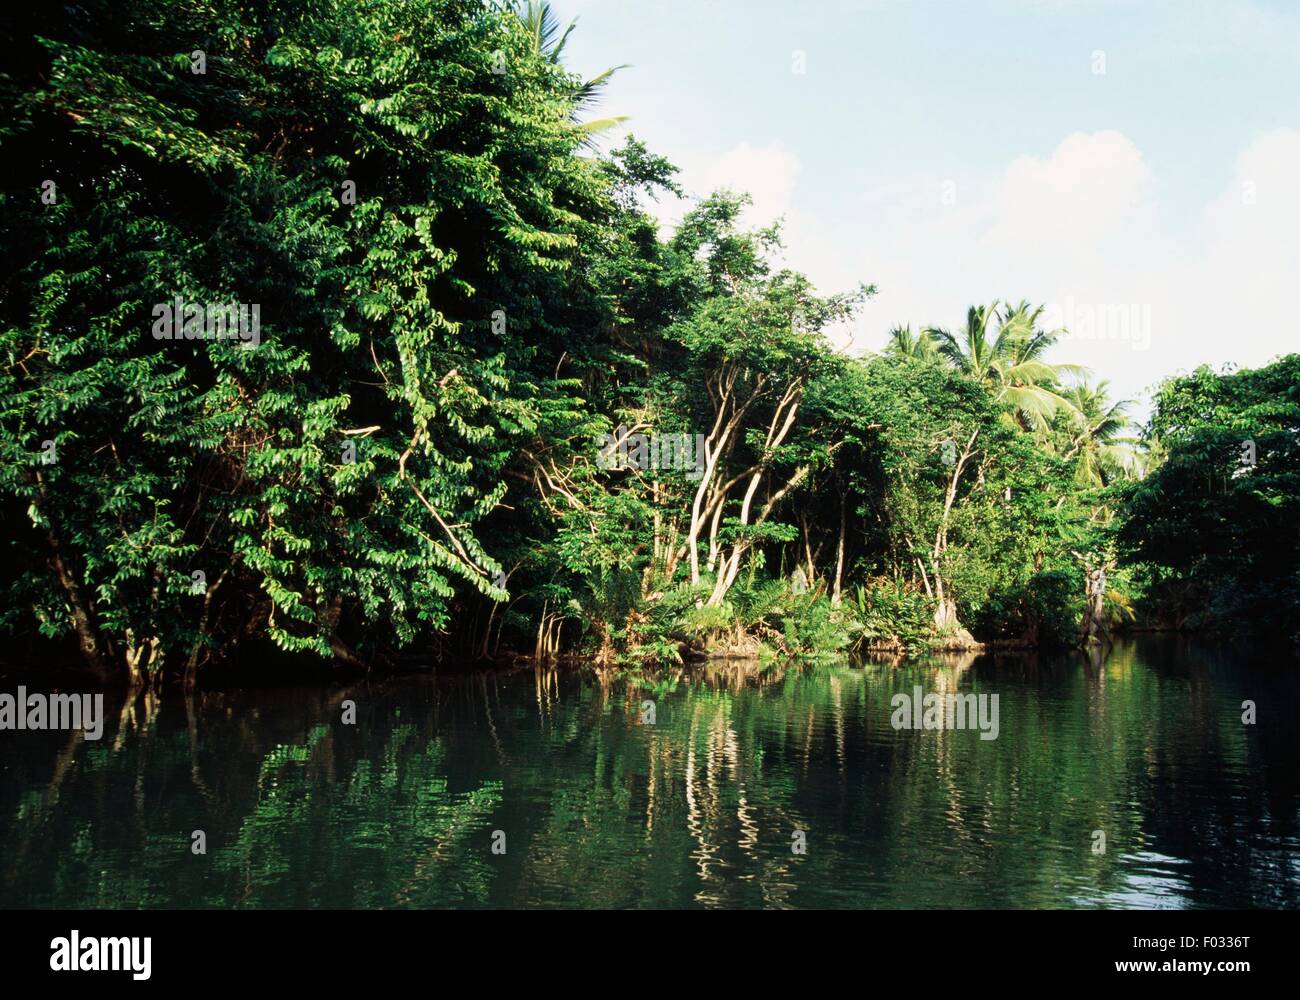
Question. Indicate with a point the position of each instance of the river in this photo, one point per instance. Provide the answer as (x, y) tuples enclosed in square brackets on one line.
[(1124, 781)]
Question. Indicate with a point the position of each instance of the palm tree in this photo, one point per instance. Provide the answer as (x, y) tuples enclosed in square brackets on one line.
[(1004, 350), (1096, 430), (903, 343), (548, 41), (1151, 453)]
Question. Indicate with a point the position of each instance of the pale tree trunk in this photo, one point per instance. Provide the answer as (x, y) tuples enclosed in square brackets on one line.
[(647, 578), (82, 622), (717, 443), (539, 647), (925, 578), (809, 554), (714, 524), (730, 565), (836, 595), (83, 615), (945, 612), (783, 418), (1092, 629), (671, 554), (140, 659)]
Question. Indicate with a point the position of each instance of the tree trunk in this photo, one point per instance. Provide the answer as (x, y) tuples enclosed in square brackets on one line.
[(82, 621), (1093, 628), (839, 557), (945, 612)]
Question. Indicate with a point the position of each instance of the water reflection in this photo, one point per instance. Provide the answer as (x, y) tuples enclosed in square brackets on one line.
[(702, 808)]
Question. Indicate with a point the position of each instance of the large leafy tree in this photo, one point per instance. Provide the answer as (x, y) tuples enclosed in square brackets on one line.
[(368, 175), (1215, 527)]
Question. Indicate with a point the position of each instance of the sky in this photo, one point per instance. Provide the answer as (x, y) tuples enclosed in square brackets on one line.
[(1133, 165)]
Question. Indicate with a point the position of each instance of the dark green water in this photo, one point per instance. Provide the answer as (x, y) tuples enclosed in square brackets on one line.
[(699, 809)]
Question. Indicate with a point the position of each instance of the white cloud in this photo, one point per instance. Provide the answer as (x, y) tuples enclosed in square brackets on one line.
[(1052, 228), (1090, 189), (766, 173), (1239, 299), (1078, 228), (1081, 230)]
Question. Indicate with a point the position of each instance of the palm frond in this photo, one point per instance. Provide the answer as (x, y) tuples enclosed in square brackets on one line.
[(601, 124), (543, 28)]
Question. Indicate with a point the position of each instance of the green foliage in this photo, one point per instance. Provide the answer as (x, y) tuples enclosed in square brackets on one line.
[(888, 614), (659, 632), (376, 318), (1041, 610), (1214, 537), (791, 624)]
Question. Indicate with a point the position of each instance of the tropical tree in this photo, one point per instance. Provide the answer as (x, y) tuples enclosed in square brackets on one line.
[(1003, 348), (363, 176), (903, 343), (1214, 529), (548, 42), (755, 344), (1097, 444)]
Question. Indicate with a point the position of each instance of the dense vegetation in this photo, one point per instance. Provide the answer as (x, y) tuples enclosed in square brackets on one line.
[(1215, 527), (490, 408)]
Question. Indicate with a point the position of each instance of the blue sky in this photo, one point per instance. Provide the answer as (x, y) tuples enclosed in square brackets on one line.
[(1133, 165)]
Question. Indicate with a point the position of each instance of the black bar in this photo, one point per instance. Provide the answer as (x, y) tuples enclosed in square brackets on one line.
[(336, 948)]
